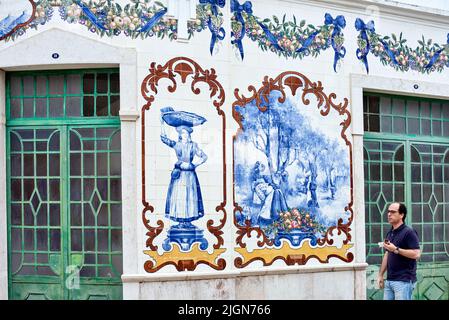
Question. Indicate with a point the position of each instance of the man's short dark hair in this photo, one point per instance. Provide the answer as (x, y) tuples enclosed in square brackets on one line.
[(402, 210)]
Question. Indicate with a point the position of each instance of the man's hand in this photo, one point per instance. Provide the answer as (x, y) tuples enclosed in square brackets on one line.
[(380, 281), (389, 246)]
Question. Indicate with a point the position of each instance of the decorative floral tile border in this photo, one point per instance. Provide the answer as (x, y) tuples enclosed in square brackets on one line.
[(392, 51), (289, 39), (139, 18)]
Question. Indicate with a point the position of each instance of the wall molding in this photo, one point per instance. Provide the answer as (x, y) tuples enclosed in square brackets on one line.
[(185, 276)]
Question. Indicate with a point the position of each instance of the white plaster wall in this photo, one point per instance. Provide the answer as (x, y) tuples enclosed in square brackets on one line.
[(331, 285), (33, 51)]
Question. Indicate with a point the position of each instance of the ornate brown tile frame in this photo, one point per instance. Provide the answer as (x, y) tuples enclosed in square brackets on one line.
[(184, 67), (294, 80), (32, 17)]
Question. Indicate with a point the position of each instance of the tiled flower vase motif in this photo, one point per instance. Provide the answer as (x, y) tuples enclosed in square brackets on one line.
[(292, 173), (185, 228)]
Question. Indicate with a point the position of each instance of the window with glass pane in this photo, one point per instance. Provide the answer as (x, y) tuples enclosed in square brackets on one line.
[(406, 159), (64, 183), (73, 94)]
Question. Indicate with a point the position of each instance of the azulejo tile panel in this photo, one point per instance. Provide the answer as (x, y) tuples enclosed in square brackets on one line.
[(392, 51), (137, 19), (184, 228), (292, 173), (288, 39)]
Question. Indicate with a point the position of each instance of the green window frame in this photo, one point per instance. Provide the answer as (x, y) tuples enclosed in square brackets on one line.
[(406, 158), (69, 160)]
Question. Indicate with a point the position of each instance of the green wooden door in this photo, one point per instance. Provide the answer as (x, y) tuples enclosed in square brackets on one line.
[(406, 152), (64, 186)]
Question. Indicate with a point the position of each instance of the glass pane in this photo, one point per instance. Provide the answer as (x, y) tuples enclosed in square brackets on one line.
[(55, 215), (102, 83), (88, 106), (88, 164), (373, 105), (425, 109), (28, 86), (399, 194), (55, 240), (116, 189), (425, 127), (16, 86), (56, 84), (412, 108), (115, 105), (54, 168), (28, 107), (115, 165), (115, 83), (89, 215), (89, 240), (103, 216), (387, 172), (116, 215), (56, 107), (15, 108), (386, 124), (398, 107), (41, 85), (413, 126), (102, 106), (436, 128), (73, 84), (41, 107), (103, 240), (88, 83), (373, 121), (76, 215), (399, 125), (73, 106), (75, 164), (76, 239), (385, 105), (436, 110), (102, 164)]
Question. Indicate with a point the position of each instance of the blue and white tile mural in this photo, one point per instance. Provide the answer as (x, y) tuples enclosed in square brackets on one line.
[(292, 170), (184, 202), (14, 13)]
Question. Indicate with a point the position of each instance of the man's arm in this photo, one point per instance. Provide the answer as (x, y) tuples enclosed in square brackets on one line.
[(414, 254), (383, 268)]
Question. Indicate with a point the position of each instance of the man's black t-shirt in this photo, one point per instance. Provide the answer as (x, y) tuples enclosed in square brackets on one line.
[(400, 268)]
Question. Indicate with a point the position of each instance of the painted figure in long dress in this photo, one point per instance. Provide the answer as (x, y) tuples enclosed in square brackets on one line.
[(184, 202), (267, 193)]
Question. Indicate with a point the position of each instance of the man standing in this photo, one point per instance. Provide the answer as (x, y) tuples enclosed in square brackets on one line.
[(402, 251)]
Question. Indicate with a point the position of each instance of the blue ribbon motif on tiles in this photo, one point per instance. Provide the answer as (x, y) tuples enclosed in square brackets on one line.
[(339, 23), (237, 9), (362, 53), (218, 33), (96, 21), (151, 22)]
